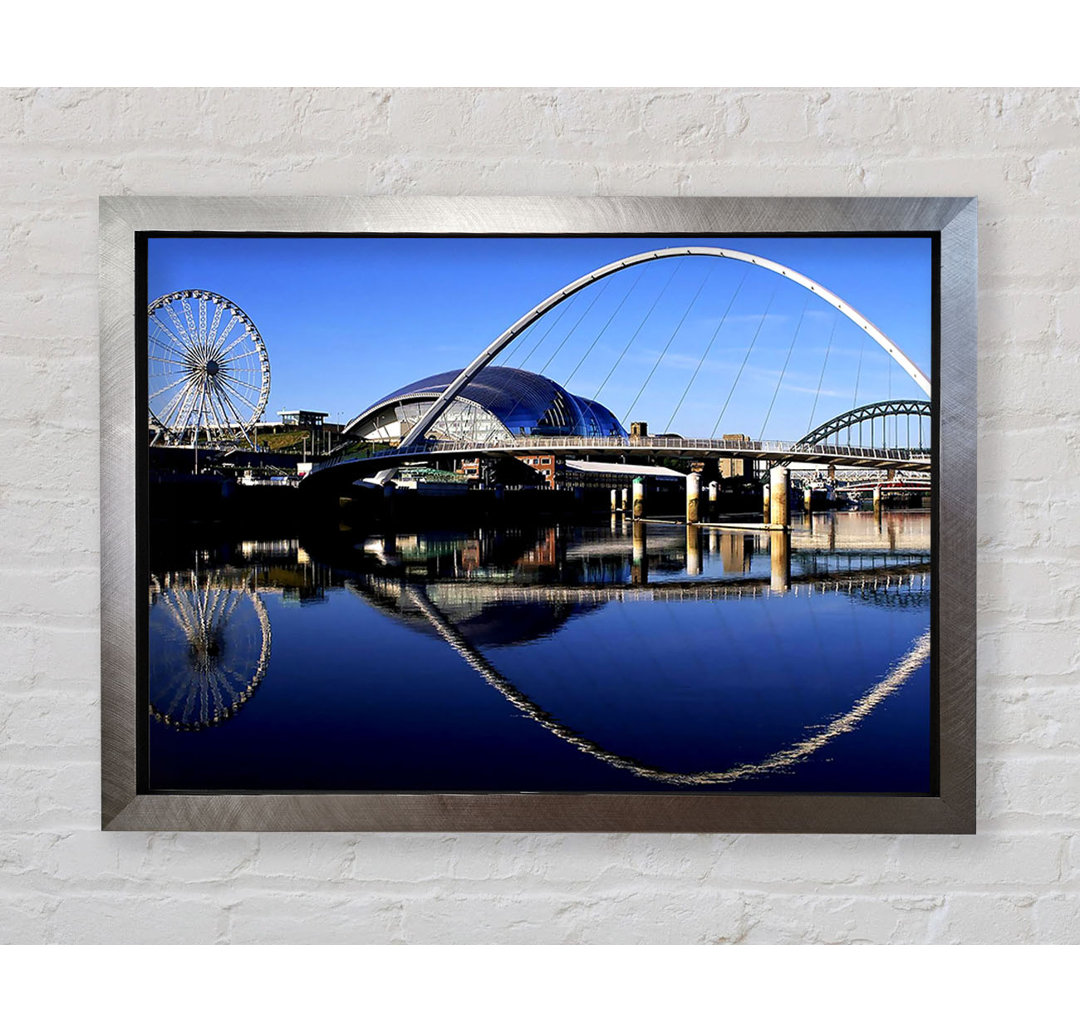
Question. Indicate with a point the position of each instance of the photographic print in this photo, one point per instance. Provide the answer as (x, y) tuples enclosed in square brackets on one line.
[(500, 515), (563, 570)]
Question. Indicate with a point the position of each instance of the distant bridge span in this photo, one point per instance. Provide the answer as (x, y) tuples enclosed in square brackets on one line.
[(864, 414)]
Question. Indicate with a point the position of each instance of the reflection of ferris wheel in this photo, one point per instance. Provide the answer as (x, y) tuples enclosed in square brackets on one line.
[(209, 648), (209, 373)]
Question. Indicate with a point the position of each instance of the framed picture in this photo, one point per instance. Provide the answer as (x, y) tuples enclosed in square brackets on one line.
[(580, 514)]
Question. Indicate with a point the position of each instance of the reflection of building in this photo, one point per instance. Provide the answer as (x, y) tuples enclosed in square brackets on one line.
[(498, 404), (736, 551), (543, 555)]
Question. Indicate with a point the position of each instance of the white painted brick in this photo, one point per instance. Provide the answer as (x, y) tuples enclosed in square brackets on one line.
[(62, 880), (1043, 718), (1057, 918), (149, 917), (818, 918), (977, 918), (992, 860), (26, 917), (313, 918)]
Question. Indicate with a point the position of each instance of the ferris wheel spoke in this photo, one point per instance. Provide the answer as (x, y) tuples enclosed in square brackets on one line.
[(213, 601), (224, 350), (220, 415), (225, 398), (233, 604), (211, 334), (184, 346), (237, 679), (202, 321), (187, 410), (183, 356), (234, 385), (169, 387), (186, 363), (171, 409), (225, 333), (244, 393), (237, 358), (208, 404), (183, 687), (186, 339), (168, 412), (215, 685), (206, 409), (178, 419), (242, 424), (220, 617), (193, 331), (220, 604), (177, 610), (202, 423), (247, 385)]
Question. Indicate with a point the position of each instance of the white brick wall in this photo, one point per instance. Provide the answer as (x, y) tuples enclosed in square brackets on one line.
[(1017, 881)]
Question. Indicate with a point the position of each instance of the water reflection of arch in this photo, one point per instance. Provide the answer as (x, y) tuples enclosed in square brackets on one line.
[(209, 647), (816, 737), (484, 619), (911, 580)]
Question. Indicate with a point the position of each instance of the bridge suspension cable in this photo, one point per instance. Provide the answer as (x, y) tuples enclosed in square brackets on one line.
[(787, 359), (735, 382), (708, 348), (663, 290), (674, 334), (603, 329), (821, 379), (566, 337)]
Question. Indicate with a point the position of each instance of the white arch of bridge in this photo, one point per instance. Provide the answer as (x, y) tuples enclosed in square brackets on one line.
[(488, 354)]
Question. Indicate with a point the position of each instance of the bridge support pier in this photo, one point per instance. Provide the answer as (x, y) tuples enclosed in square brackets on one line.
[(779, 486), (639, 498), (808, 500), (693, 498), (693, 549), (765, 511), (714, 494), (779, 561), (625, 500), (639, 569), (614, 500), (877, 501)]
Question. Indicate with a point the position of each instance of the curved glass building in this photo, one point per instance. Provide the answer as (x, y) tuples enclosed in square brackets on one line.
[(498, 404)]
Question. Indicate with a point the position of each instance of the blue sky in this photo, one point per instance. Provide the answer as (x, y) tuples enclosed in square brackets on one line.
[(347, 320)]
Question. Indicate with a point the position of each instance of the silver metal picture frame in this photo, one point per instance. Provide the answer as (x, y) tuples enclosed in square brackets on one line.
[(126, 802)]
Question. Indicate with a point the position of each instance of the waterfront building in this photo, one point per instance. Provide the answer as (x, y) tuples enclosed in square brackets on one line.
[(500, 403)]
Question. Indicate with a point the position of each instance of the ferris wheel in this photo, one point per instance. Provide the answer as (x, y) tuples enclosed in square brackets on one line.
[(210, 647), (208, 371)]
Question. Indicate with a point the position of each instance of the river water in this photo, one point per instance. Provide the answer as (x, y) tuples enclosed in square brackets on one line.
[(608, 657)]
